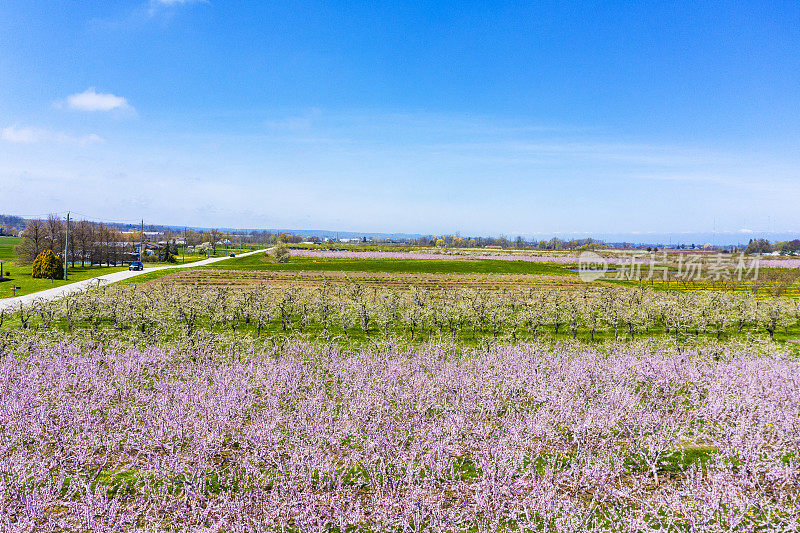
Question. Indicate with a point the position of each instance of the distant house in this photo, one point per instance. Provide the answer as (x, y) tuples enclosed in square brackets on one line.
[(149, 247)]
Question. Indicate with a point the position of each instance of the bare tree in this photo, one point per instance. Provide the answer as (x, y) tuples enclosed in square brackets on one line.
[(215, 236), (55, 234), (83, 239), (34, 241), (193, 238)]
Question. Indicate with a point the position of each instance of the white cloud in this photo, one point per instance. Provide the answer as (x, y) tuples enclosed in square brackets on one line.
[(91, 100), (21, 135), (28, 135)]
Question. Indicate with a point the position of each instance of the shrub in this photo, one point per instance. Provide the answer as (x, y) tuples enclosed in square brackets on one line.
[(281, 253), (47, 265)]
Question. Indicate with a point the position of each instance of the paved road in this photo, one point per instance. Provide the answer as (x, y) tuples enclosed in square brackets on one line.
[(64, 290)]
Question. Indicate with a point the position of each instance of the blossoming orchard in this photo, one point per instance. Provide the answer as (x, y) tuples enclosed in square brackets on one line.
[(343, 406), (399, 267)]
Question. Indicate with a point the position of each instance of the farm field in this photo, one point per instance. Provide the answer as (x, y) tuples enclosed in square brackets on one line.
[(253, 269), (347, 394), (209, 278), (770, 282), (393, 264), (448, 271), (668, 275), (218, 432)]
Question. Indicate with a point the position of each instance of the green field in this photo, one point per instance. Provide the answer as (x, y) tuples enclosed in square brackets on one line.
[(415, 266)]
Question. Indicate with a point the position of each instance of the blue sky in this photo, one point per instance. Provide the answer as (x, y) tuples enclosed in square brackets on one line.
[(431, 117)]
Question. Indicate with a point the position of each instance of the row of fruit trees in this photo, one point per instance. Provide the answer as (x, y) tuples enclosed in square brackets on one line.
[(349, 309)]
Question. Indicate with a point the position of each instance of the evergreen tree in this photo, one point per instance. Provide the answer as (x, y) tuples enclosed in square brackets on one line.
[(47, 265)]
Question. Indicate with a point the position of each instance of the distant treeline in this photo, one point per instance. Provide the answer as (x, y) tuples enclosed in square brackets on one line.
[(501, 242), (763, 246), (97, 243), (11, 225), (89, 242)]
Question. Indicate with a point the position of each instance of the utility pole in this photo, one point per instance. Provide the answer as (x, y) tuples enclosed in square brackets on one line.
[(66, 249), (184, 244), (141, 242)]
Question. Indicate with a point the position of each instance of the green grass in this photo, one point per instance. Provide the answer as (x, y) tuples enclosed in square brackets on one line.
[(150, 276), (21, 277), (7, 247), (20, 274), (414, 266)]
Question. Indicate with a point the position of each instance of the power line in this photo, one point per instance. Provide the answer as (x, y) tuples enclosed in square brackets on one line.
[(41, 215), (90, 218), (66, 250)]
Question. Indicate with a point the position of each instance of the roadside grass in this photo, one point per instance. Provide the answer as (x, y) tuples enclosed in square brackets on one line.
[(147, 276), (21, 277)]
